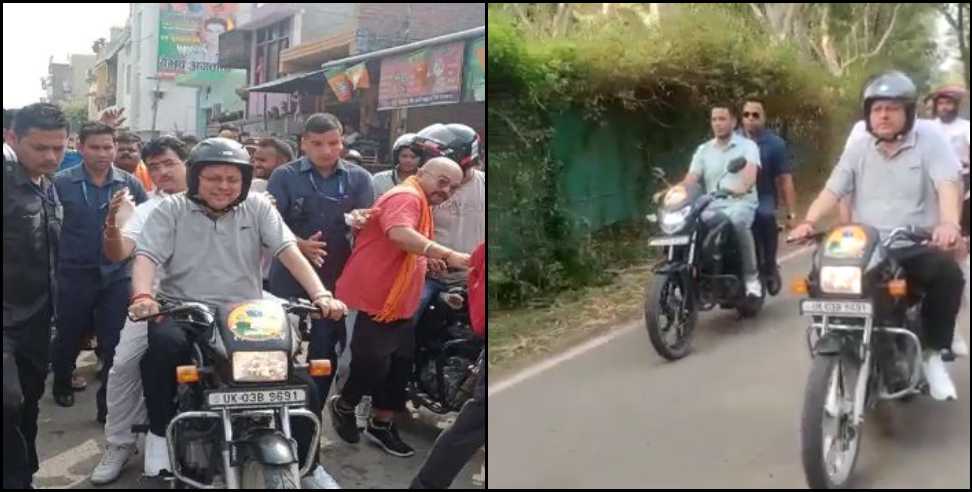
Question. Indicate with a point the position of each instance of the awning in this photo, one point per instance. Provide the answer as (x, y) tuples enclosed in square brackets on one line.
[(308, 83), (476, 32)]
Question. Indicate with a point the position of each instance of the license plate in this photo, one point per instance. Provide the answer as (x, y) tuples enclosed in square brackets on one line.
[(669, 241), (254, 398), (845, 308)]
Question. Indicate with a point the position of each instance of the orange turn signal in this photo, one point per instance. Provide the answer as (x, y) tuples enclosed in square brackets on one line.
[(187, 374), (898, 288), (800, 286), (320, 367)]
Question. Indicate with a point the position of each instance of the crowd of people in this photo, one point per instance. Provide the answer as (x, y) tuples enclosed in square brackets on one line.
[(115, 226)]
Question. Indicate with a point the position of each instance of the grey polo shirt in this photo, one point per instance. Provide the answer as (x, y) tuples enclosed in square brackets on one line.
[(215, 261), (896, 191)]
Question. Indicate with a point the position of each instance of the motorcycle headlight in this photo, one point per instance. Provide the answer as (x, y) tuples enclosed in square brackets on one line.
[(259, 367), (672, 222), (840, 280)]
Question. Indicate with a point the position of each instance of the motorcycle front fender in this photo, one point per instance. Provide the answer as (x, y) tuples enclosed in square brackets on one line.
[(268, 446)]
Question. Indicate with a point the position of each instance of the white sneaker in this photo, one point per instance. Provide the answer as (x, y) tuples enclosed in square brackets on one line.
[(959, 347), (362, 412), (754, 288), (940, 385), (112, 462), (319, 479), (156, 455)]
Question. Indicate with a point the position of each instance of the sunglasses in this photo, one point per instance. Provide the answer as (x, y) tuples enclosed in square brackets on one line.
[(752, 115)]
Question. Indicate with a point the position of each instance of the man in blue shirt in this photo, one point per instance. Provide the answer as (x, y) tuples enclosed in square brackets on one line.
[(313, 194), (774, 184), (93, 291)]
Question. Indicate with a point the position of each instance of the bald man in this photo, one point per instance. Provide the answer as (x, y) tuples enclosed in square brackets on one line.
[(383, 280)]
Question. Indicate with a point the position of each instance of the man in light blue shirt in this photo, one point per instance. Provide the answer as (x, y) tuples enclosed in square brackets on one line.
[(708, 169)]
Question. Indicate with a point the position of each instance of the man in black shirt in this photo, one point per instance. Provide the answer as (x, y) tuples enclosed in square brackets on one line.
[(32, 218)]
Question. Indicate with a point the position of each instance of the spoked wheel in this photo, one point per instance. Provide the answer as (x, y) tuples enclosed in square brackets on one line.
[(670, 316), (830, 441)]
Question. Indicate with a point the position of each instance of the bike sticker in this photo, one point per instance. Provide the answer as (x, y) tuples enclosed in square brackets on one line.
[(257, 321), (846, 242)]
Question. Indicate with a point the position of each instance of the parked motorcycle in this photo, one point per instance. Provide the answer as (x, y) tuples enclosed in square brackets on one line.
[(447, 354)]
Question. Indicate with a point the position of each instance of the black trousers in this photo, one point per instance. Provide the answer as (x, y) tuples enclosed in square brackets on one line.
[(943, 282), (457, 444), (381, 362), (767, 236), (24, 370)]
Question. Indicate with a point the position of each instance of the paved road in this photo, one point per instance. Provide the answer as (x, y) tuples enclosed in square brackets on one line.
[(618, 416)]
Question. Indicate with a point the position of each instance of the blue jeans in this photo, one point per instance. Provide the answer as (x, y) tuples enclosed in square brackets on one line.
[(431, 289), (325, 334)]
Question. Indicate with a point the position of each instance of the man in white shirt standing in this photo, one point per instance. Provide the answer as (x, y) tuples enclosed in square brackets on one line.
[(947, 102)]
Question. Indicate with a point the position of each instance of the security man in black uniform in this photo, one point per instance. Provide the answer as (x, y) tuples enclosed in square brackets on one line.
[(32, 216)]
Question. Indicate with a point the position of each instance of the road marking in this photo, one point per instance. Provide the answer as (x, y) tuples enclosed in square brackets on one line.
[(59, 466), (591, 345)]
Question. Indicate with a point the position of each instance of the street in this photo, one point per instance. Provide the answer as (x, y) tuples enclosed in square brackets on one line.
[(69, 444), (727, 416)]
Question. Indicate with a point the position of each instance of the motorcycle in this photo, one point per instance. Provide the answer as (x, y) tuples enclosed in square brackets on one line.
[(448, 354), (865, 338), (702, 267), (232, 429)]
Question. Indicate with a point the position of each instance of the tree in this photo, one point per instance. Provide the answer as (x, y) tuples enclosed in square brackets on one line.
[(98, 45), (840, 36), (957, 16), (556, 20), (76, 113)]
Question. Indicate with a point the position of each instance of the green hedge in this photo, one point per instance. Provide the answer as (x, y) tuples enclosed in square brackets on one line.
[(667, 77)]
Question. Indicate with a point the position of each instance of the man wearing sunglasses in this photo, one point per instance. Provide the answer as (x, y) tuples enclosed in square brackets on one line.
[(774, 186)]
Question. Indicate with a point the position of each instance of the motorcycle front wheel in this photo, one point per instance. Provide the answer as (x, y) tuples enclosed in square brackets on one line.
[(670, 316), (256, 475), (829, 440)]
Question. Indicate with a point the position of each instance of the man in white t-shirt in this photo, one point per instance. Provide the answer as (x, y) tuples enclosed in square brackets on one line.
[(165, 158), (946, 103), (460, 221)]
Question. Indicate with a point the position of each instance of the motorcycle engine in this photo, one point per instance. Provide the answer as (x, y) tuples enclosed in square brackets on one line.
[(453, 374)]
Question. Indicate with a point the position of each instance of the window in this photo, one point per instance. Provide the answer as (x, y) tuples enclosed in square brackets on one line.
[(271, 40), (128, 79)]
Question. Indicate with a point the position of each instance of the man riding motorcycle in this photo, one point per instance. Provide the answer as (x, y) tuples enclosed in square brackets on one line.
[(708, 166), (209, 240), (903, 176)]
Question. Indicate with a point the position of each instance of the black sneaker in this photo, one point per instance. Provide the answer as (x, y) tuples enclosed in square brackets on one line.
[(343, 421), (387, 437)]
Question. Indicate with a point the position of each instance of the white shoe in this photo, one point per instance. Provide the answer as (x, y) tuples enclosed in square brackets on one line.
[(112, 462), (959, 347), (156, 455), (940, 385), (362, 412), (754, 288), (319, 479)]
